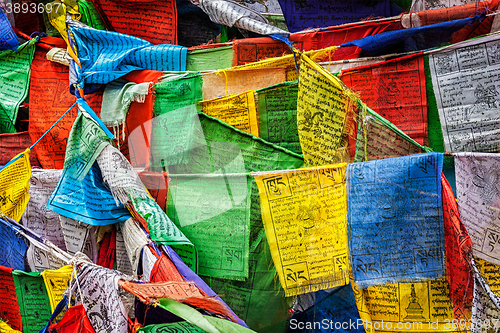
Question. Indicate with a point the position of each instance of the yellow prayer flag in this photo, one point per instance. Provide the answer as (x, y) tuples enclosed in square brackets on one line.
[(237, 110), (491, 273), (56, 283), (325, 115), (14, 186), (56, 12), (407, 307), (5, 328), (304, 212)]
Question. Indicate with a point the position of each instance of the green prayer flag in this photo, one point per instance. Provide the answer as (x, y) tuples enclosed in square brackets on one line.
[(33, 300), (278, 115), (261, 292), (85, 142), (207, 323), (209, 188), (90, 16), (15, 69), (177, 91), (210, 59)]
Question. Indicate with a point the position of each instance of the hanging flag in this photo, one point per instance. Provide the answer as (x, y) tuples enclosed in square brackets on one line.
[(302, 15), (56, 12), (237, 110), (467, 100), (458, 251), (49, 79), (104, 307), (85, 142), (154, 21), (69, 324), (396, 219), (304, 215), (14, 83), (14, 185), (478, 199), (278, 115), (37, 217), (325, 115), (56, 283), (79, 237), (88, 201), (407, 307), (210, 195), (395, 89), (105, 55), (33, 300), (378, 138)]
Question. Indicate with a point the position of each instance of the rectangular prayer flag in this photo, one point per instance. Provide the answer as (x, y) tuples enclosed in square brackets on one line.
[(478, 199), (14, 186), (14, 83), (33, 300), (463, 78), (422, 306), (237, 110), (278, 115), (396, 219), (304, 212), (325, 115), (395, 89)]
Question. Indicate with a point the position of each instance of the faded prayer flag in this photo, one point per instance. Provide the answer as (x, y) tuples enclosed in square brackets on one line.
[(478, 199), (467, 99)]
